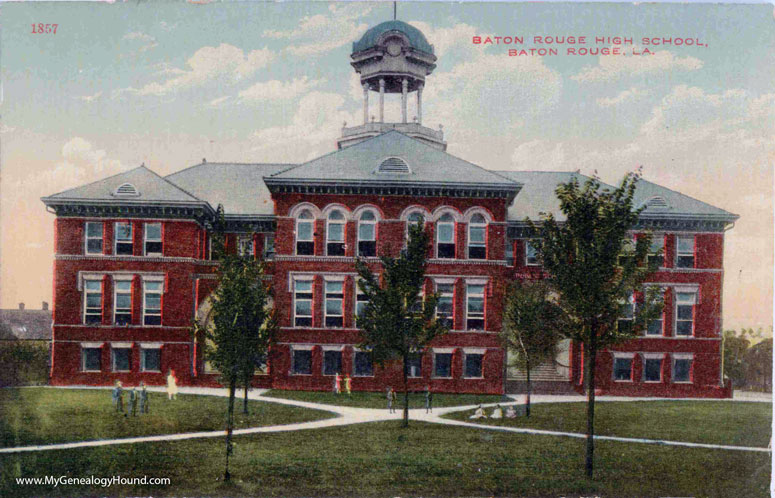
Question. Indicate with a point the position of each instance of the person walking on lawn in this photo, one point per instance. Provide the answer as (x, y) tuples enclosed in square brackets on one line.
[(428, 400), (133, 402), (391, 399), (348, 384), (143, 398), (172, 385), (118, 397), (338, 383)]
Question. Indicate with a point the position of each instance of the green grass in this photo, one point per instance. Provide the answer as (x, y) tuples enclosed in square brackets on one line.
[(734, 423), (379, 399), (42, 416), (380, 459)]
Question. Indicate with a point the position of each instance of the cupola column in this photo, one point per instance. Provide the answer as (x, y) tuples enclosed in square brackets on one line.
[(404, 91), (381, 100), (419, 103), (365, 103)]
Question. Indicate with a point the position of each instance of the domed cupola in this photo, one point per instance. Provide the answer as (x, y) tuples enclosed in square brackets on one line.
[(392, 57)]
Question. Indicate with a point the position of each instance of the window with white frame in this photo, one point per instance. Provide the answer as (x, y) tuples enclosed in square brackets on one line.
[(531, 255), (302, 303), (477, 237), (332, 362), (305, 230), (472, 364), (682, 367), (509, 252), (268, 246), (152, 291), (414, 218), (92, 309), (445, 303), (442, 364), (475, 306), (657, 250), (445, 237), (415, 365), (124, 242), (335, 233), (334, 300), (121, 358), (150, 359), (626, 315), (622, 367), (301, 363), (367, 234), (91, 359), (122, 302), (245, 246), (152, 239), (684, 313), (684, 256), (362, 364), (657, 327), (360, 302), (652, 367), (93, 243)]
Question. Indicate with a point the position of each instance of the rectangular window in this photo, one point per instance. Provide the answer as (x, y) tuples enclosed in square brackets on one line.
[(245, 246), (302, 362), (122, 302), (442, 365), (477, 248), (509, 252), (93, 238), (626, 315), (367, 239), (415, 365), (475, 307), (124, 243), (652, 369), (302, 299), (335, 241), (656, 251), (91, 359), (334, 299), (153, 244), (684, 257), (445, 238), (305, 244), (531, 255), (360, 302), (122, 359), (332, 362), (152, 302), (444, 305), (268, 246), (363, 366), (150, 360), (684, 313), (682, 369), (92, 313), (473, 365), (622, 368)]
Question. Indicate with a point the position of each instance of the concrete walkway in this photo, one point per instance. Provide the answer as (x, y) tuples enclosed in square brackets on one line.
[(346, 415)]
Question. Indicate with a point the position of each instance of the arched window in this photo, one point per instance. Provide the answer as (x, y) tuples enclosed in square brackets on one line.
[(477, 239), (335, 233), (413, 219), (367, 234), (305, 228), (445, 237)]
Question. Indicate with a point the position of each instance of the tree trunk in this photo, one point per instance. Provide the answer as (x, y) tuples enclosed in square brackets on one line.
[(591, 356), (230, 426), (406, 391), (527, 371), (245, 400)]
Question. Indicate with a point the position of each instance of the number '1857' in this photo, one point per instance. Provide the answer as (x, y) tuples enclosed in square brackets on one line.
[(44, 28)]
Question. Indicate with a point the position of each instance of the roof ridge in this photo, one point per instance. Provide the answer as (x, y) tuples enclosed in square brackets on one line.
[(687, 196), (176, 186), (142, 166)]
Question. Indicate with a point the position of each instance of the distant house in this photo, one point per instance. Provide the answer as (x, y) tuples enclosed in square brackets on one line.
[(21, 324), (25, 345)]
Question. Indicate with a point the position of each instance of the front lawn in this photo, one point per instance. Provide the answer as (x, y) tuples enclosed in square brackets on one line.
[(30, 416), (381, 459), (733, 423), (379, 399)]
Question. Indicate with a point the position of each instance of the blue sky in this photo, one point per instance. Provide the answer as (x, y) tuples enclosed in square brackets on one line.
[(167, 84)]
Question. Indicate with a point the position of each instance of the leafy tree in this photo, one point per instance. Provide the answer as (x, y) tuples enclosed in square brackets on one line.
[(735, 347), (596, 271), (758, 366), (397, 322), (532, 326)]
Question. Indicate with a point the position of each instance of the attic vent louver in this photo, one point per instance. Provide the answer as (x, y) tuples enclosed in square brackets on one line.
[(657, 202), (394, 166), (126, 190)]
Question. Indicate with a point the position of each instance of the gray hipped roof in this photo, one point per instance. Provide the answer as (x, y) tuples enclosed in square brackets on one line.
[(239, 187), (428, 165), (24, 324)]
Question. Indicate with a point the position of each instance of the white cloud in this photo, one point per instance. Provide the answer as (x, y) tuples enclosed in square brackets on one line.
[(622, 97), (611, 67), (89, 98), (217, 102), (278, 90), (148, 41), (540, 155), (456, 38), (224, 64), (4, 128), (168, 26), (323, 32)]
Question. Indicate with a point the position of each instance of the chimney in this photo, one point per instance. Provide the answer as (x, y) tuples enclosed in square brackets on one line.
[(21, 306), (44, 306)]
